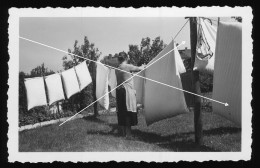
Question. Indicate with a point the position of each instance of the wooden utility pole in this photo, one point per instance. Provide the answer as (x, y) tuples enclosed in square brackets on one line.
[(195, 83)]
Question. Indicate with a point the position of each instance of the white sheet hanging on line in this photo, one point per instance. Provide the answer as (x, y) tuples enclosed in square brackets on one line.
[(70, 82), (227, 84), (112, 81), (83, 75), (161, 102), (35, 92), (54, 88), (102, 85), (205, 56)]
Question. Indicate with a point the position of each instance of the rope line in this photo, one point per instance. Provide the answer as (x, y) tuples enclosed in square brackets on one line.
[(180, 29)]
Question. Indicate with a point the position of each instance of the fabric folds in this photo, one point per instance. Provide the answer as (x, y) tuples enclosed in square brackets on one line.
[(161, 102), (227, 84), (205, 56)]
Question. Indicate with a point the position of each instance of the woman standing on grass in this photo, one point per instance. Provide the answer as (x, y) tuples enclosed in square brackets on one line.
[(126, 95)]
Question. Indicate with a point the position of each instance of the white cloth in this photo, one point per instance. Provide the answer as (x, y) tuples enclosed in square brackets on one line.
[(102, 85), (180, 68), (161, 102), (112, 81), (139, 87), (35, 92), (139, 82), (54, 88), (70, 82), (83, 75), (204, 61), (227, 86)]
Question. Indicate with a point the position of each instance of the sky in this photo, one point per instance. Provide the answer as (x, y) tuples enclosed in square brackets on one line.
[(109, 34)]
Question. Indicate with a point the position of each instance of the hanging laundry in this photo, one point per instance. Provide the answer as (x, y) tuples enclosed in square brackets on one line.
[(180, 68), (139, 87), (35, 92), (227, 85), (205, 56), (102, 85), (83, 75), (112, 81), (54, 88), (70, 82), (161, 102)]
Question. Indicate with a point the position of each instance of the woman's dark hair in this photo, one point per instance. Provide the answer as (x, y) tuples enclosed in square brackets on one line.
[(122, 56)]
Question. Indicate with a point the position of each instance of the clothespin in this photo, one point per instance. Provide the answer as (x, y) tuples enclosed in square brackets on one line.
[(207, 19)]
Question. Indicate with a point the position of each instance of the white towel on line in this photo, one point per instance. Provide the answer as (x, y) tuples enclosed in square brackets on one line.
[(83, 75), (70, 82), (54, 88), (35, 92)]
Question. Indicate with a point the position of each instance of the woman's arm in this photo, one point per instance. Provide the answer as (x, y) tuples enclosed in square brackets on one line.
[(135, 68)]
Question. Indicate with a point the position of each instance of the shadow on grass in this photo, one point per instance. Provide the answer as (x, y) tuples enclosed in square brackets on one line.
[(174, 142), (217, 131), (222, 130), (93, 119)]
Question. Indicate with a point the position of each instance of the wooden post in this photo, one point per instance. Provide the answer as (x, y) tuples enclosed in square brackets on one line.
[(93, 69), (195, 83)]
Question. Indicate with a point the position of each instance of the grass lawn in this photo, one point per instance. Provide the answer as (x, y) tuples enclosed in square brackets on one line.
[(173, 134)]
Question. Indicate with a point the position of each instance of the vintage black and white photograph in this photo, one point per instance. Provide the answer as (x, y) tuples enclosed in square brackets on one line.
[(148, 84)]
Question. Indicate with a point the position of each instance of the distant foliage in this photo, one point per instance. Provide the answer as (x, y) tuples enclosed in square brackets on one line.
[(146, 51), (239, 19), (40, 71)]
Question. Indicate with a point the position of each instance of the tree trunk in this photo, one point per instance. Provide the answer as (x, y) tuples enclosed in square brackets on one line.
[(93, 70)]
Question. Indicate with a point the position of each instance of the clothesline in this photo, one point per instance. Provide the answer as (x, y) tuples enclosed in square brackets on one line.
[(129, 72), (119, 85), (187, 22), (180, 29)]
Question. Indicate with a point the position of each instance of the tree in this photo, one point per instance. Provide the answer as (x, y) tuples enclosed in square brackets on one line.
[(156, 47), (110, 60), (134, 54), (86, 50), (40, 71), (22, 92), (146, 52)]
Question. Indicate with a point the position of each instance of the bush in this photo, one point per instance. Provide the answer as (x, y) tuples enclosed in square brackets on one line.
[(42, 113)]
